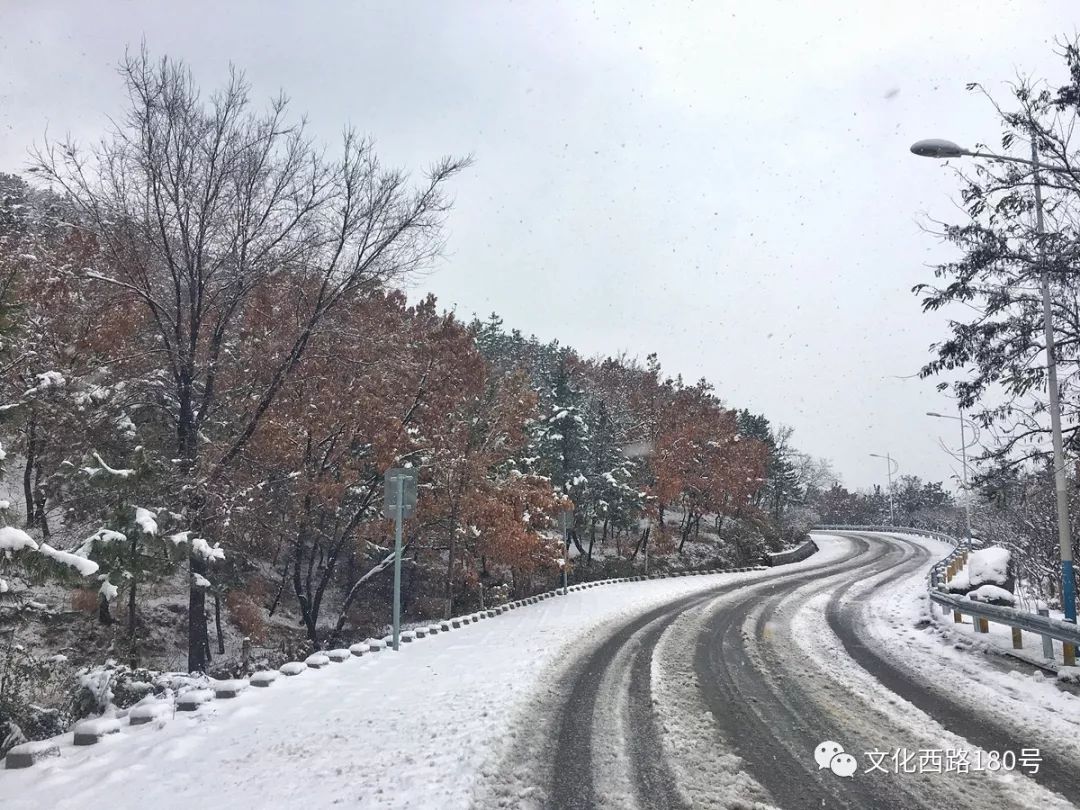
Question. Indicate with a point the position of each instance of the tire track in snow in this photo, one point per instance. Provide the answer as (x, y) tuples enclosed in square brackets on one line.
[(581, 731), (766, 720), (844, 618), (839, 700)]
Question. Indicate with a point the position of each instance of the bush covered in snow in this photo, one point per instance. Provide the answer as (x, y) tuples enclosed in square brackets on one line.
[(28, 685)]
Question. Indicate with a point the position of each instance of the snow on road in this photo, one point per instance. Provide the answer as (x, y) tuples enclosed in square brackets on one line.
[(411, 729), (1036, 713), (942, 652)]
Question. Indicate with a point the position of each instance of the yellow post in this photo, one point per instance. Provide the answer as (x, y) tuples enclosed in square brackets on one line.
[(956, 617), (1018, 638), (1068, 654)]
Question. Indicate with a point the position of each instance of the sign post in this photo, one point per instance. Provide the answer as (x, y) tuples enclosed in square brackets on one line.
[(567, 518), (399, 502)]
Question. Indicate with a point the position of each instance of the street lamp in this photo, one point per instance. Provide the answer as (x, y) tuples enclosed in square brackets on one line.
[(937, 148), (890, 461), (963, 449)]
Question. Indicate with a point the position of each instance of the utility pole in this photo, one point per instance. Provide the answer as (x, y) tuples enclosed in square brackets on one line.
[(399, 502), (963, 451), (940, 148), (1061, 485), (890, 462)]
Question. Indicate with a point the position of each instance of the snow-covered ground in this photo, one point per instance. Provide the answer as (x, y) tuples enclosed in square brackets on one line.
[(409, 729), (425, 727)]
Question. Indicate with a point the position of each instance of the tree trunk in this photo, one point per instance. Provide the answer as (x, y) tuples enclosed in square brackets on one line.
[(198, 635), (640, 543), (685, 527), (280, 590), (104, 616), (131, 612), (302, 595), (449, 589), (28, 474), (217, 624), (187, 444)]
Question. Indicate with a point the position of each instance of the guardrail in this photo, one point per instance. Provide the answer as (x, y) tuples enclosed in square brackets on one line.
[(981, 613), (905, 529)]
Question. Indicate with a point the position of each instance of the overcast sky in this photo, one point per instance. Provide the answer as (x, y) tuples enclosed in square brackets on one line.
[(727, 184)]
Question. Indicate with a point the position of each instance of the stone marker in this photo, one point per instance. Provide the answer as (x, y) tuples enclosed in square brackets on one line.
[(359, 649), (26, 754), (292, 668), (263, 678), (190, 701), (89, 732), (223, 690), (338, 656), (149, 711), (317, 660)]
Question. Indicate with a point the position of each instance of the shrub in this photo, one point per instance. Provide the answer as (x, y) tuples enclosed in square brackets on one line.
[(246, 615)]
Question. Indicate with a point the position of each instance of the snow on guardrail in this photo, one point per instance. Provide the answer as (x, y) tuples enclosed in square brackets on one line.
[(982, 613)]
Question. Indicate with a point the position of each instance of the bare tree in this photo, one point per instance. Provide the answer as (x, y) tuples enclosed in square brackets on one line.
[(197, 205)]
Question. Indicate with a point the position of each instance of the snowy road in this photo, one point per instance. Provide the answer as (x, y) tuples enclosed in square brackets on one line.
[(718, 699), (707, 692)]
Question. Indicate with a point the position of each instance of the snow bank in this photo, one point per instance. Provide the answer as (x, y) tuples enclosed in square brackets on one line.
[(1069, 674), (987, 566)]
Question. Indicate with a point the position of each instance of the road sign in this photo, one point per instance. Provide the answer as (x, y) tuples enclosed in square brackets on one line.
[(408, 490)]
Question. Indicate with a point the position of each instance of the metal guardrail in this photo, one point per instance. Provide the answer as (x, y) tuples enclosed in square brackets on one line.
[(981, 613), (905, 529), (1032, 622)]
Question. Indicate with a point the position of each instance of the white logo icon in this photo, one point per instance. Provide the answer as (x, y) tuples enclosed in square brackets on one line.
[(831, 755)]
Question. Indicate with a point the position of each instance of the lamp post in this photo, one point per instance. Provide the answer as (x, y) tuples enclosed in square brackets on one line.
[(890, 461), (963, 450), (938, 148)]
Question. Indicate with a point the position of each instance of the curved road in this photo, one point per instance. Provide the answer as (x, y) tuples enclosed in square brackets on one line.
[(720, 698)]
